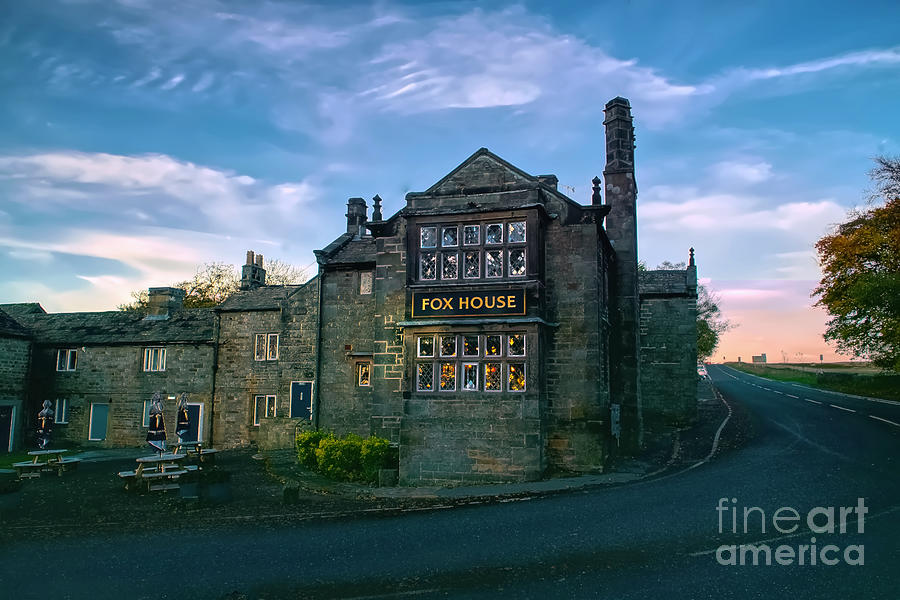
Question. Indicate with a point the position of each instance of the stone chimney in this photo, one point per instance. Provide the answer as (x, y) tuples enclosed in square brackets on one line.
[(356, 216), (163, 302), (253, 275), (621, 227), (551, 181)]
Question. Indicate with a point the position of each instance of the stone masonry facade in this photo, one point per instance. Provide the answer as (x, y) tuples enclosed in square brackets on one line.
[(493, 329)]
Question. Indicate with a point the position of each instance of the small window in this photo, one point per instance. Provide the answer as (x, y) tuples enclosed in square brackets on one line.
[(516, 345), (145, 422), (470, 377), (450, 237), (493, 345), (426, 347), (363, 374), (493, 234), (448, 345), (493, 378), (449, 265), (517, 262), (516, 377), (448, 377), (515, 232), (425, 377), (154, 359), (65, 360), (428, 237), (366, 279), (265, 346), (472, 235), (470, 345), (264, 407), (61, 411), (427, 266)]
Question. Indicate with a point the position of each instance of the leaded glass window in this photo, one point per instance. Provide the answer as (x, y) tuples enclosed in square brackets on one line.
[(428, 238), (426, 346), (449, 266), (517, 262), (515, 232), (448, 377), (450, 236), (493, 379), (428, 269), (425, 377), (472, 235), (493, 234), (470, 377), (516, 345), (493, 263), (473, 265), (516, 377), (470, 345), (448, 345), (363, 374), (492, 345)]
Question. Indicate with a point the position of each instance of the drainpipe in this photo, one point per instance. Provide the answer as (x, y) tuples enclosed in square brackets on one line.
[(317, 383), (215, 370)]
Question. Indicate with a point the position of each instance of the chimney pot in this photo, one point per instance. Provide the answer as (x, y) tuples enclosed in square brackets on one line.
[(253, 275)]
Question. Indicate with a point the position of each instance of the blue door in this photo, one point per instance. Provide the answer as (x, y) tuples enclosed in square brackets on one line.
[(301, 400), (99, 418), (195, 415)]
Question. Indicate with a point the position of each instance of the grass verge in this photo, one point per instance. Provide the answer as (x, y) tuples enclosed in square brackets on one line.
[(883, 386)]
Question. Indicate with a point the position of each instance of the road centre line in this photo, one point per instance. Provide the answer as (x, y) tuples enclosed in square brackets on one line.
[(792, 396), (884, 420), (813, 401), (842, 408), (777, 392)]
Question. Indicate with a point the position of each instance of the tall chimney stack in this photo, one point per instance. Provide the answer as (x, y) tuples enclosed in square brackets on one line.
[(621, 227), (356, 216), (253, 275), (163, 301)]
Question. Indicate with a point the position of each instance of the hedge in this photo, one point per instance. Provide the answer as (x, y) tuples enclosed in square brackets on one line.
[(350, 458)]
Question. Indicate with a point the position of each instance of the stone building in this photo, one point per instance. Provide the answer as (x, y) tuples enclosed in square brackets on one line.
[(493, 328), (15, 359)]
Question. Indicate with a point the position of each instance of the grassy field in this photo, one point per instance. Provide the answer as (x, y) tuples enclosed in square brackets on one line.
[(849, 378)]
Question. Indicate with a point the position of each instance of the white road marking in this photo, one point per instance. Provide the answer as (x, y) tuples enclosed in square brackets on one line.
[(884, 420), (792, 396), (767, 389), (777, 392), (842, 408), (813, 401)]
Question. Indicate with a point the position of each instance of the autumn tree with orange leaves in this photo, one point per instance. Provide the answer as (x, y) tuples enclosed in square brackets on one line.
[(860, 286)]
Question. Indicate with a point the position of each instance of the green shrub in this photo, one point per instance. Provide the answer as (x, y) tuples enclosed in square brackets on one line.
[(350, 458), (340, 458), (307, 442)]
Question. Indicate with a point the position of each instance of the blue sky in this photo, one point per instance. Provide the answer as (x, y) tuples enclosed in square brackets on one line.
[(138, 139)]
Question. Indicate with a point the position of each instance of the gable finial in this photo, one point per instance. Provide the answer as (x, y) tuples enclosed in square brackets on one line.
[(691, 261), (376, 208)]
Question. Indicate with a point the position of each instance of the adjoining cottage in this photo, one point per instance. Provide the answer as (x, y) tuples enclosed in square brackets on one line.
[(492, 328)]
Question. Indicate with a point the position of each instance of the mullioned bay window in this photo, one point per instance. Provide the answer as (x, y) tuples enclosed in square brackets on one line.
[(471, 362), (483, 251)]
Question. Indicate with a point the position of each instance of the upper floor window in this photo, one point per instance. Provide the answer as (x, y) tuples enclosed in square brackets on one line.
[(266, 346), (154, 359), (65, 360), (366, 279), (473, 251), (363, 374)]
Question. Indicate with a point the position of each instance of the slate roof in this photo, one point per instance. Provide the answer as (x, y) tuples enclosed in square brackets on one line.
[(347, 249), (269, 297), (10, 328), (116, 327)]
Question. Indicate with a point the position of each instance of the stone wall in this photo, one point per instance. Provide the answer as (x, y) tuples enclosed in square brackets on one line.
[(114, 375), (669, 345), (15, 357), (240, 377)]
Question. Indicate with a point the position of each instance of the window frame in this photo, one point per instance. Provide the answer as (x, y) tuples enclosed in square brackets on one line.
[(267, 398), (266, 346), (157, 366), (71, 363), (359, 368), (370, 275), (64, 412), (461, 361)]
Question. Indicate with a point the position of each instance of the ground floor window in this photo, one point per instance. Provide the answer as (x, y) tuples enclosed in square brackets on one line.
[(61, 411), (488, 362), (264, 407), (98, 422), (363, 374)]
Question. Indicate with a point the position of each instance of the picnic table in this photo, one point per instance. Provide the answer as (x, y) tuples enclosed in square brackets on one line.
[(53, 461), (204, 455), (159, 472)]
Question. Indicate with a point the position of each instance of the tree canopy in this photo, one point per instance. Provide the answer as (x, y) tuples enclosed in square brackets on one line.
[(860, 286), (213, 282)]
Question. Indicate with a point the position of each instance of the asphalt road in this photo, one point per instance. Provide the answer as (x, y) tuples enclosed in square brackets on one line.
[(657, 538)]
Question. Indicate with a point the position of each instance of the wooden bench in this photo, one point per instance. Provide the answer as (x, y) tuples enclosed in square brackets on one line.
[(29, 468), (66, 464), (172, 484)]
